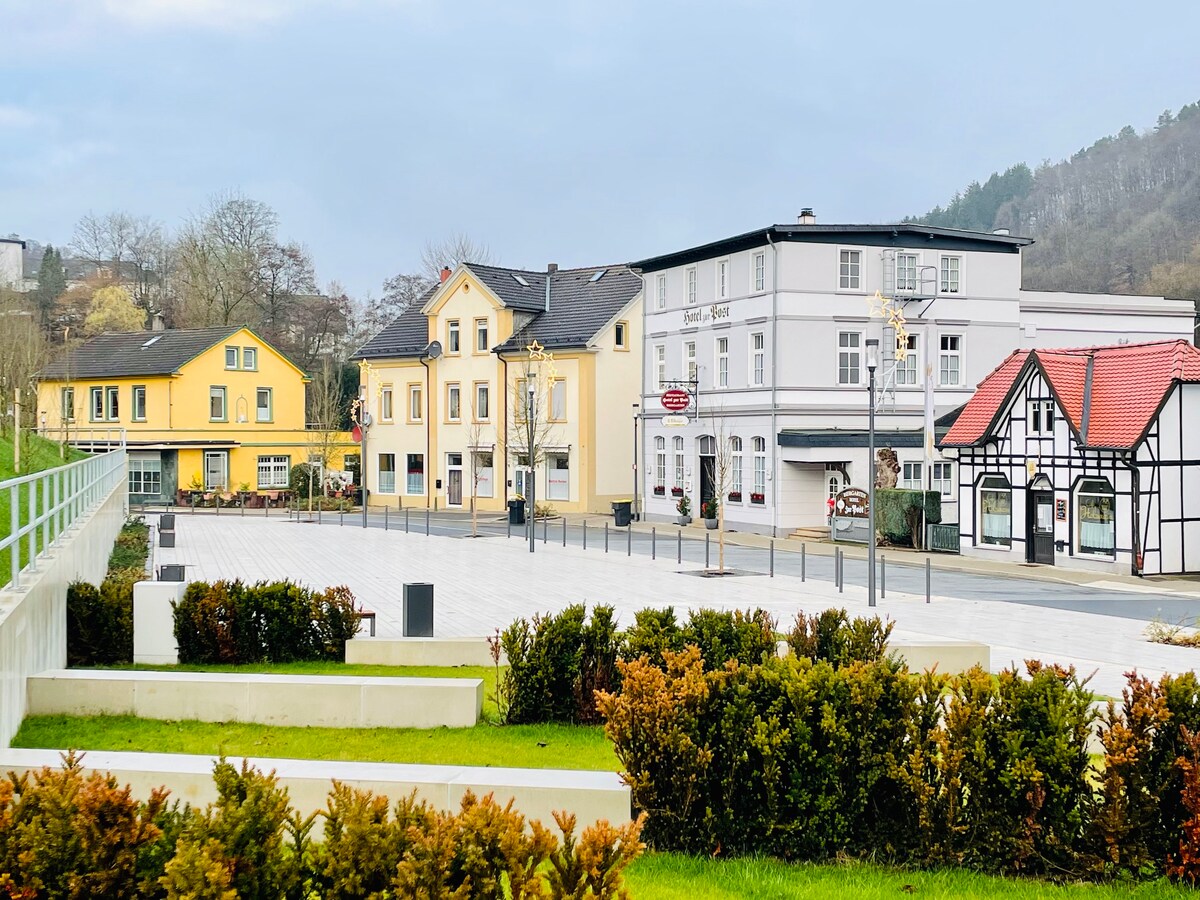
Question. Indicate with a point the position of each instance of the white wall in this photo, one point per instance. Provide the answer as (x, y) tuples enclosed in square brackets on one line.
[(11, 272), (33, 621)]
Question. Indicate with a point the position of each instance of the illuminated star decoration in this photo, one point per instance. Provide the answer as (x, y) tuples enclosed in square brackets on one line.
[(886, 308), (538, 353), (359, 406)]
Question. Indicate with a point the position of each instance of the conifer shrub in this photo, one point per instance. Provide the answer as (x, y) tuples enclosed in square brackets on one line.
[(835, 638), (100, 619), (720, 635)]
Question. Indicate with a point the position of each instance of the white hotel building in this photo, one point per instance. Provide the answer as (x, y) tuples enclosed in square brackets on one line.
[(767, 331)]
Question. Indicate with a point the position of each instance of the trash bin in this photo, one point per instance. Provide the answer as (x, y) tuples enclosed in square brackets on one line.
[(622, 512), (172, 572), (166, 539), (516, 512), (166, 522), (417, 610)]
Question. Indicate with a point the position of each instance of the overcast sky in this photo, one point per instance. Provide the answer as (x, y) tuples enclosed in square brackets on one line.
[(572, 132)]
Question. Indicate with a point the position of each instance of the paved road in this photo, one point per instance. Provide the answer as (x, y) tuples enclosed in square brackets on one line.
[(1136, 602)]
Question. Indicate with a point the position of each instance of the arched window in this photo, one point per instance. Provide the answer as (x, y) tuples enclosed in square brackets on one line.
[(1095, 511), (660, 462), (995, 511), (679, 463), (735, 468), (708, 445), (759, 494)]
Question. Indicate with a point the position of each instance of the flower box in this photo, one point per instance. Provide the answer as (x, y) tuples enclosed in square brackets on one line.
[(735, 496), (659, 490), (676, 492), (758, 498)]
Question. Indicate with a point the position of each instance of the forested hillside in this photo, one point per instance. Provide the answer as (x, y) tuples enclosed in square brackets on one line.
[(1121, 215)]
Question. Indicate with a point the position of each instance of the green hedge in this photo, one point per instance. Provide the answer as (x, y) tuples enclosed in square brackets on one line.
[(233, 622), (100, 619), (898, 514)]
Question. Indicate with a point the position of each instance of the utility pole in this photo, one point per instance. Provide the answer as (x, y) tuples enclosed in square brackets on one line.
[(17, 431)]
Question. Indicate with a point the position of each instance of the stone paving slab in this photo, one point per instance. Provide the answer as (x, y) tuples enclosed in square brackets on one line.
[(484, 585)]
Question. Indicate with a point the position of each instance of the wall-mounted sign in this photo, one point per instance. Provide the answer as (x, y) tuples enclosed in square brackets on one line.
[(706, 315), (675, 421), (1060, 509), (676, 400), (852, 503)]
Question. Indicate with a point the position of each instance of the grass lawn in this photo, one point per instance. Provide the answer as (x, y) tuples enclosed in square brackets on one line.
[(37, 454), (669, 876)]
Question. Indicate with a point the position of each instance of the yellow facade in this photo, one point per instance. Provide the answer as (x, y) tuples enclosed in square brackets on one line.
[(230, 419), (584, 468)]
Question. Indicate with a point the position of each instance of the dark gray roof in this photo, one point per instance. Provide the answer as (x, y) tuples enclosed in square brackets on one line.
[(579, 308), (137, 353)]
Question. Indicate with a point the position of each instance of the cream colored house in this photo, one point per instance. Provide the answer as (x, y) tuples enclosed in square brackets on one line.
[(440, 383)]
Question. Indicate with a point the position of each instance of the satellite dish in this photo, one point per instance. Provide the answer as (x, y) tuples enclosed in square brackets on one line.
[(434, 350)]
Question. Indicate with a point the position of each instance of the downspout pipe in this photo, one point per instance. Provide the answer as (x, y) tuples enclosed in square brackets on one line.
[(428, 428), (1135, 512), (505, 396), (775, 467)]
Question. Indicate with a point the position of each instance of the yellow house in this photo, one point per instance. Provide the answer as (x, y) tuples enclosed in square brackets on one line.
[(213, 409), (442, 383)]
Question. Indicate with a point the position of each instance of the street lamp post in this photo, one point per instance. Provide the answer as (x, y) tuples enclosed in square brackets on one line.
[(529, 419), (636, 407), (872, 364)]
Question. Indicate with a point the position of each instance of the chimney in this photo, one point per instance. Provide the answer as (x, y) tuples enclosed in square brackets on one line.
[(551, 268), (158, 323), (806, 217), (445, 273)]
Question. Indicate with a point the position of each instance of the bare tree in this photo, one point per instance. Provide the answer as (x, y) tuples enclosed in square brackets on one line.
[(475, 430), (531, 414), (723, 462), (23, 352), (324, 414), (285, 274), (450, 251)]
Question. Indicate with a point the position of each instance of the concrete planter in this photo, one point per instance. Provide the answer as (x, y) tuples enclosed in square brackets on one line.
[(711, 524)]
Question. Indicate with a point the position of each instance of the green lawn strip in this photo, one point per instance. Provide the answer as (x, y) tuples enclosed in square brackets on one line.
[(519, 746), (37, 455), (487, 673), (669, 876)]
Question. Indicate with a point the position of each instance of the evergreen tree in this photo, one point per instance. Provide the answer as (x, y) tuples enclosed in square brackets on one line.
[(51, 284)]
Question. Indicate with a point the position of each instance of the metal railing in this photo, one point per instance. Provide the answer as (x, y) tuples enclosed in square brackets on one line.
[(43, 505)]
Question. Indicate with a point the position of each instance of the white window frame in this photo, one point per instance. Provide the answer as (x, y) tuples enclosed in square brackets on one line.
[(481, 336), (278, 469), (96, 404), (660, 291), (850, 350), (721, 375), (258, 409), (1040, 418), (945, 354), (387, 403), (232, 357), (137, 392), (759, 446), (853, 263), (758, 271), (1006, 542), (721, 284), (908, 285), (250, 359), (558, 400), (912, 476), (483, 402), (67, 404), (454, 402), (691, 368), (621, 335), (112, 404), (453, 337), (1079, 494), (221, 391), (660, 462), (758, 358), (145, 471), (416, 392), (942, 479), (910, 366), (947, 284), (557, 489), (735, 467), (660, 366), (408, 482), (679, 468), (690, 278)]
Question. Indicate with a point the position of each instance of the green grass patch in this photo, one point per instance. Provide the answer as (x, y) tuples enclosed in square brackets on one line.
[(670, 876), (519, 746)]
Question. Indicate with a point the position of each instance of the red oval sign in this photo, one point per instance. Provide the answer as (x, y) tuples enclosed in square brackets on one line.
[(676, 400), (356, 434)]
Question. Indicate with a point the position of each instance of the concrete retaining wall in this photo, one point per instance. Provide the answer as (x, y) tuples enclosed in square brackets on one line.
[(289, 700), (33, 620), (535, 792), (947, 656), (421, 652)]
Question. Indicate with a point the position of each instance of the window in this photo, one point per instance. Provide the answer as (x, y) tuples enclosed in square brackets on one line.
[(414, 403), (735, 465), (689, 361), (68, 404), (759, 267), (453, 402), (386, 410), (908, 370), (951, 271), (250, 358), (723, 362), (906, 271), (757, 357), (484, 469), (678, 463), (950, 361), (1096, 513), (660, 366), (759, 494), (691, 286), (558, 476), (145, 474), (911, 476), (387, 473), (216, 404), (481, 336), (231, 357), (1040, 417), (995, 511), (849, 357), (722, 279), (622, 336), (273, 471), (452, 345), (96, 404), (850, 270), (483, 410), (112, 397), (264, 405), (216, 470), (943, 478), (558, 401), (660, 462), (415, 470), (138, 402), (520, 401), (661, 290)]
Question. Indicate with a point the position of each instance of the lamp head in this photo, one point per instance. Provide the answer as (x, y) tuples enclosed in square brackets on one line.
[(872, 354)]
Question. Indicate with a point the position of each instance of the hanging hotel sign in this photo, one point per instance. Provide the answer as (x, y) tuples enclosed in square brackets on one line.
[(676, 400), (675, 421), (852, 503), (706, 315)]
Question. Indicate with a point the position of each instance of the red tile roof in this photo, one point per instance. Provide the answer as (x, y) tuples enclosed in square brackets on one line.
[(1128, 385)]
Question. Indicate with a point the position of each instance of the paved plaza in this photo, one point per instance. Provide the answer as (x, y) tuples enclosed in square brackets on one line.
[(484, 583)]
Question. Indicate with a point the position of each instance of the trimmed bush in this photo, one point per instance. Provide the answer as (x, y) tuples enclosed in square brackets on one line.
[(833, 637), (719, 635), (100, 620), (898, 514), (232, 622)]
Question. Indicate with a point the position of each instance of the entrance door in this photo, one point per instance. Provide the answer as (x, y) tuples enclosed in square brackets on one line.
[(708, 467), (454, 479), (1039, 531), (216, 471)]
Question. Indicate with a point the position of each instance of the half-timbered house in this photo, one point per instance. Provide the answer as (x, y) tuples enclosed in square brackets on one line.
[(1087, 458)]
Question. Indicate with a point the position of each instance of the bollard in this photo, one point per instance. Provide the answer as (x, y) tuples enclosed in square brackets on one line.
[(803, 560), (193, 503), (267, 507), (606, 537), (341, 517), (406, 520), (319, 517), (507, 525), (679, 548), (927, 579), (242, 503), (545, 528), (385, 517), (427, 521), (564, 531), (706, 545), (629, 540), (653, 543), (772, 557), (882, 577), (841, 565), (585, 534), (835, 566), (217, 502)]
